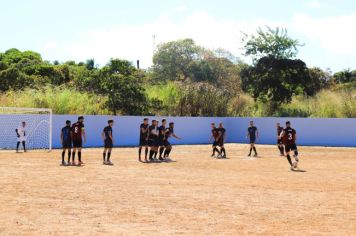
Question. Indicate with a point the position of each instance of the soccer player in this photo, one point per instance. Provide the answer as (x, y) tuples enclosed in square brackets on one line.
[(66, 140), (21, 136), (161, 134), (214, 136), (143, 139), (221, 140), (78, 135), (289, 136), (252, 134), (169, 133), (107, 137), (152, 139), (279, 139)]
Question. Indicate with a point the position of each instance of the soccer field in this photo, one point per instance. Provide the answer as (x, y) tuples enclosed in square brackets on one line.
[(195, 195)]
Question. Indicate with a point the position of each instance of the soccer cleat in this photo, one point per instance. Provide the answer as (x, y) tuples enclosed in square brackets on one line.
[(109, 163), (249, 155), (104, 163), (255, 155), (160, 158), (73, 163), (63, 163)]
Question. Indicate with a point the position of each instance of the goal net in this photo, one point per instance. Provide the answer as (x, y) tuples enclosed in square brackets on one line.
[(37, 131)]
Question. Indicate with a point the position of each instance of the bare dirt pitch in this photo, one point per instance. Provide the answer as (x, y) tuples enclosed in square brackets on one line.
[(196, 195)]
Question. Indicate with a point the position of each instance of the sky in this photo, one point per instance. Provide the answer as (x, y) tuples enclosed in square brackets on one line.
[(81, 29)]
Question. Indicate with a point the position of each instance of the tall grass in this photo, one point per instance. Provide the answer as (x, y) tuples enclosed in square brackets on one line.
[(326, 103), (60, 100)]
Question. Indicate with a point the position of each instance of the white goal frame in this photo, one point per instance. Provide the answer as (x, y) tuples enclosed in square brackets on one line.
[(23, 110)]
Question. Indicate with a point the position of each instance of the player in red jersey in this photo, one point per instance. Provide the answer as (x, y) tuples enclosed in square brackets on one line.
[(214, 137), (279, 139), (78, 136), (289, 136)]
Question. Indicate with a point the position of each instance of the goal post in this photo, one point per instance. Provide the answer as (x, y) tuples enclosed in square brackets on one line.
[(38, 128)]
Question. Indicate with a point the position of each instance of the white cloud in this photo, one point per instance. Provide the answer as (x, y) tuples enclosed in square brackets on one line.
[(336, 34), (136, 42), (314, 4)]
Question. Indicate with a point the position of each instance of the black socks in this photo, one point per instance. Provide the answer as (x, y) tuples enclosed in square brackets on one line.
[(63, 153), (80, 156), (73, 156), (146, 152), (289, 160), (69, 155), (161, 149), (104, 156)]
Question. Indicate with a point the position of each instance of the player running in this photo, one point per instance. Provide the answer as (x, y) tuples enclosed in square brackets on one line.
[(214, 137), (279, 139), (143, 139), (221, 140), (78, 135), (21, 136), (107, 137), (169, 133), (252, 134), (153, 140), (289, 136), (66, 140), (161, 134)]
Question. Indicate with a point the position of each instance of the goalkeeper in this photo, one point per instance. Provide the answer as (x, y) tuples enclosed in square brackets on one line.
[(21, 136)]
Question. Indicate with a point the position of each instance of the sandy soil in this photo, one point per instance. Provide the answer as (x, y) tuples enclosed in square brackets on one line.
[(196, 195)]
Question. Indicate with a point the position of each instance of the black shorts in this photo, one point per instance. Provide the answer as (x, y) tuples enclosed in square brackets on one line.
[(160, 142), (290, 147), (221, 142), (166, 143), (67, 144), (215, 143), (153, 143), (143, 142), (252, 140), (108, 143), (77, 143)]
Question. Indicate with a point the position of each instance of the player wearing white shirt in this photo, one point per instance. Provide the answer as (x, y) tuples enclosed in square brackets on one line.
[(21, 136)]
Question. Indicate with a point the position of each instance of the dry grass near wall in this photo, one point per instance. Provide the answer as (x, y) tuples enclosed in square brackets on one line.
[(61, 101)]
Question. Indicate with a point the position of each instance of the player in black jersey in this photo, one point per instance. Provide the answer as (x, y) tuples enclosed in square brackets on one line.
[(161, 133), (279, 139), (143, 139), (214, 137), (153, 140), (289, 136), (108, 142), (169, 133), (221, 139), (252, 134), (66, 140)]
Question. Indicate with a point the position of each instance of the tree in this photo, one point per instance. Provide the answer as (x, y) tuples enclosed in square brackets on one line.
[(277, 80), (271, 43), (345, 76), (176, 60), (118, 81)]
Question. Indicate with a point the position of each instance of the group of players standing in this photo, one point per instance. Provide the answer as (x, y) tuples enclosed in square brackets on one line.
[(286, 141), (155, 140)]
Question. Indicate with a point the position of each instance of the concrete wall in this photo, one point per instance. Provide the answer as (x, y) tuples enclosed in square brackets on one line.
[(193, 130), (196, 130)]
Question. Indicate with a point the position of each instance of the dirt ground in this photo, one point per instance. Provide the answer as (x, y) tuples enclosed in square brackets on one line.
[(195, 195)]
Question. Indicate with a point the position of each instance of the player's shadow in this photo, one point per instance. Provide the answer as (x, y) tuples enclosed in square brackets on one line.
[(159, 162)]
